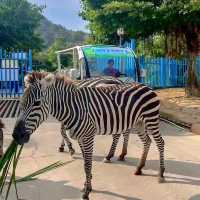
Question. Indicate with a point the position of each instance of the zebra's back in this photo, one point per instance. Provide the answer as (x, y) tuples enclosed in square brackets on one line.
[(115, 109)]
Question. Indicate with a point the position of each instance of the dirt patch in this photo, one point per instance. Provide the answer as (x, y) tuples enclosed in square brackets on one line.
[(176, 106)]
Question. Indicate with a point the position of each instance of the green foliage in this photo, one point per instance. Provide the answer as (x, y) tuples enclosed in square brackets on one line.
[(55, 37), (9, 161), (47, 60), (59, 44), (153, 46), (143, 19), (19, 20)]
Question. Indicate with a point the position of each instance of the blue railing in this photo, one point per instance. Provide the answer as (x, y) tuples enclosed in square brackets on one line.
[(163, 72), (13, 67)]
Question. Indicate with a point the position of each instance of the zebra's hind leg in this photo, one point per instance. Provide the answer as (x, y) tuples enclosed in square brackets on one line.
[(111, 153), (160, 144), (67, 140), (125, 146), (86, 146), (146, 140)]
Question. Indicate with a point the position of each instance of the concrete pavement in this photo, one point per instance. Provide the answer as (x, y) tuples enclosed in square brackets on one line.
[(114, 181)]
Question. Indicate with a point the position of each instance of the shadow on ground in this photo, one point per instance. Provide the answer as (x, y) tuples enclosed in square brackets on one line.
[(57, 190), (195, 197), (173, 168)]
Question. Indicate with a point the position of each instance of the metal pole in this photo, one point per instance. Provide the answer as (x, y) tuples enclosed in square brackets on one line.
[(74, 61), (59, 64)]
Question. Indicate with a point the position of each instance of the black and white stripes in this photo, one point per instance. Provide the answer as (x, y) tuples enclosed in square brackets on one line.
[(89, 110)]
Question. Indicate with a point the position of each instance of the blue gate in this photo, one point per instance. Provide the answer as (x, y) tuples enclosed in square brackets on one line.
[(13, 67)]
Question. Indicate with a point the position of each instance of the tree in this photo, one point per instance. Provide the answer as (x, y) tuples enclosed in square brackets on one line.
[(178, 20), (59, 44), (47, 60), (19, 20)]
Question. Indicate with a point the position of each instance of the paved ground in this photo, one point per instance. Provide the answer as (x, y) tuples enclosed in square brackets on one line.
[(114, 181), (177, 107)]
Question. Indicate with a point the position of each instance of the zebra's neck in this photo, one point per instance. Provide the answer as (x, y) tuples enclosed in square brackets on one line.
[(64, 105)]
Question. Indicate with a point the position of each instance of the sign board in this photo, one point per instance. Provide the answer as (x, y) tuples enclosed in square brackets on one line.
[(106, 52)]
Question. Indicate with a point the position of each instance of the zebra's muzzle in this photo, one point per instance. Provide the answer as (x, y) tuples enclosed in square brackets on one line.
[(20, 134)]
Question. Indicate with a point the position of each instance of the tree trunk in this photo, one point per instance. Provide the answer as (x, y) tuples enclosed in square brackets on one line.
[(193, 83), (192, 36)]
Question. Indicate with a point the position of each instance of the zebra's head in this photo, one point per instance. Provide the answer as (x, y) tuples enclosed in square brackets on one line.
[(34, 105)]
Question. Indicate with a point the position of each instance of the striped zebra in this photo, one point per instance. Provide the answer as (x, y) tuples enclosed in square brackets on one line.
[(96, 82), (10, 108), (87, 111)]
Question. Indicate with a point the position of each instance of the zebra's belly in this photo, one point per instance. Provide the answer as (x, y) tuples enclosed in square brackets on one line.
[(111, 129)]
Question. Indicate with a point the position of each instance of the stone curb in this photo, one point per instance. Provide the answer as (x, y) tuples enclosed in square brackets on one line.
[(193, 127)]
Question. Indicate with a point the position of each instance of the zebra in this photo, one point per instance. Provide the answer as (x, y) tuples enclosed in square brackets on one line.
[(10, 108), (90, 111), (96, 82)]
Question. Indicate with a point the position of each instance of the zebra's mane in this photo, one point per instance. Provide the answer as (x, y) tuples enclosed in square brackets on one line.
[(38, 76), (35, 76), (63, 78)]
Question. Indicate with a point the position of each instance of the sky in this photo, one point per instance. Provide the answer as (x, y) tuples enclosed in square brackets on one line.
[(64, 12)]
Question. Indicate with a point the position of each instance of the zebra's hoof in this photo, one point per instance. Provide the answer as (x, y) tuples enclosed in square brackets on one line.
[(161, 180), (87, 189), (105, 160), (138, 172), (84, 197), (61, 149), (121, 158)]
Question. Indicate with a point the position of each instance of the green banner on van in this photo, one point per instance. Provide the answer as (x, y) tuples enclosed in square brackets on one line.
[(106, 52)]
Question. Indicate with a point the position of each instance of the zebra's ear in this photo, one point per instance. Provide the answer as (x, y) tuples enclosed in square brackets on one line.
[(26, 81), (47, 81)]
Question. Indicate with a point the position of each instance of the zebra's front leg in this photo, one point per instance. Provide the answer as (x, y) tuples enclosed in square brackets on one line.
[(146, 140), (111, 153), (67, 140), (87, 148), (62, 145), (125, 146)]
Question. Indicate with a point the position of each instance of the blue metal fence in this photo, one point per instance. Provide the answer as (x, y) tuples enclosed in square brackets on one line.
[(13, 68), (163, 72)]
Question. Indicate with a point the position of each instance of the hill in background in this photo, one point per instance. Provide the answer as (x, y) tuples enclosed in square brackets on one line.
[(50, 32)]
